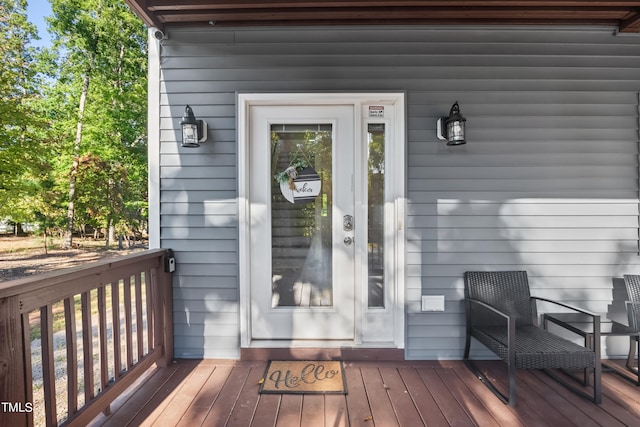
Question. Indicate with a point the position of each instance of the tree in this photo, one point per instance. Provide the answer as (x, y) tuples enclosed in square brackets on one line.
[(22, 155), (101, 97)]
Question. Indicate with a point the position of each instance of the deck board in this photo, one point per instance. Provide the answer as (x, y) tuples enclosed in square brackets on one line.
[(563, 410), (400, 400), (290, 410), (162, 398), (266, 412), (245, 407), (380, 394), (447, 403), (500, 412), (381, 408), (187, 394), (426, 405), (335, 410), (598, 413), (157, 378), (208, 394), (473, 408), (313, 411), (357, 401), (226, 400)]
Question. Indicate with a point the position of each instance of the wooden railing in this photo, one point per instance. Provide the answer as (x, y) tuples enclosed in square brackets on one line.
[(99, 326)]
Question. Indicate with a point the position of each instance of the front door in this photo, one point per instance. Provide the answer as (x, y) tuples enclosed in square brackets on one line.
[(320, 244), (303, 261)]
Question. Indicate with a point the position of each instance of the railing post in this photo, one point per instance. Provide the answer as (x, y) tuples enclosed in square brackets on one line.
[(168, 324), (14, 407), (164, 293)]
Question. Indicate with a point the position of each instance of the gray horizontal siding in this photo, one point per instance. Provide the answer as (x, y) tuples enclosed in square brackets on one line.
[(548, 182)]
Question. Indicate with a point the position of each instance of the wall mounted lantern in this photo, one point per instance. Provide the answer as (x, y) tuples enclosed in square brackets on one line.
[(193, 131), (453, 126)]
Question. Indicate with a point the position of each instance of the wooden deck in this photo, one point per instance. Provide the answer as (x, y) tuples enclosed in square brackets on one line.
[(383, 394)]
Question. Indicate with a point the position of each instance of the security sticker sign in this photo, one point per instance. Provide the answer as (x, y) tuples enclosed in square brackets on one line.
[(376, 111)]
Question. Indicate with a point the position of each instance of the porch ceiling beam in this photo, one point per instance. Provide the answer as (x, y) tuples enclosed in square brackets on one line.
[(454, 4), (631, 23), (622, 13), (140, 8), (390, 13)]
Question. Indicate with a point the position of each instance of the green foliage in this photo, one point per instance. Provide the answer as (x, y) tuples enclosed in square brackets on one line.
[(298, 163), (22, 157), (100, 42)]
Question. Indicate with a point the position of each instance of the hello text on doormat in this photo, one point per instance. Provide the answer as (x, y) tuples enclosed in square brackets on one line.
[(304, 376)]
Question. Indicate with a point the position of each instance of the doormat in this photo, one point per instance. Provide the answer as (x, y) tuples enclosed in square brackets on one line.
[(304, 377)]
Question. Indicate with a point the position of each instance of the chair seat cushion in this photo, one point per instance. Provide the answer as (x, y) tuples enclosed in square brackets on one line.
[(536, 348)]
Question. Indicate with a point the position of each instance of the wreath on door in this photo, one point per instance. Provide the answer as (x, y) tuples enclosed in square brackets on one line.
[(299, 182)]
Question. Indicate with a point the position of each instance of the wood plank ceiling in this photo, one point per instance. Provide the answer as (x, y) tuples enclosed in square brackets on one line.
[(622, 14)]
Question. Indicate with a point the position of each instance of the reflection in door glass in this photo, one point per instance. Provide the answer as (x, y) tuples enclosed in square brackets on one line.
[(375, 229), (301, 227)]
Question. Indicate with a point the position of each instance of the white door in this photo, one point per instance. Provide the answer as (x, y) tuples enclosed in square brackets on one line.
[(321, 257), (302, 251)]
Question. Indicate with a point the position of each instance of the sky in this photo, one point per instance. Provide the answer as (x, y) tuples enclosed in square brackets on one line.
[(36, 12)]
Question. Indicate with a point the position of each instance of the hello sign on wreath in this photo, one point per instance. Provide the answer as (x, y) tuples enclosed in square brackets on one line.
[(301, 186)]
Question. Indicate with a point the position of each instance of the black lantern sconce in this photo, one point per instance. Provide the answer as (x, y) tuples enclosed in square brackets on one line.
[(193, 131), (453, 126)]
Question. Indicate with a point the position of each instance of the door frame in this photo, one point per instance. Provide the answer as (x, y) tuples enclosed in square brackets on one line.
[(397, 163)]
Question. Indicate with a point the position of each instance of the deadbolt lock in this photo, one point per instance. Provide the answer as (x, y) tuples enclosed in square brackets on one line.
[(347, 223)]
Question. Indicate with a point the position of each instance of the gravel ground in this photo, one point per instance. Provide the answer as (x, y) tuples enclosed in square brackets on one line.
[(25, 256)]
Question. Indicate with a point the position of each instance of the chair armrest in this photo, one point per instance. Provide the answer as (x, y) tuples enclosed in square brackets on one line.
[(570, 307), (595, 319), (487, 306)]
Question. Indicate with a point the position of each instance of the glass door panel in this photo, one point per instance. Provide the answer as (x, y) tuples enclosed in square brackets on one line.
[(375, 214), (301, 228)]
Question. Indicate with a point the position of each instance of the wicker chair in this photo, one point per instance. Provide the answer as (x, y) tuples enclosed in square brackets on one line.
[(632, 283), (502, 315)]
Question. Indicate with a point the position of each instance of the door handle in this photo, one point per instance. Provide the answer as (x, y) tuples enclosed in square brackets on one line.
[(348, 240)]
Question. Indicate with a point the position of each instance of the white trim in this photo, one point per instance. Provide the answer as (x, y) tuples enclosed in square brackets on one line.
[(398, 185), (244, 238), (153, 141), (400, 220)]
